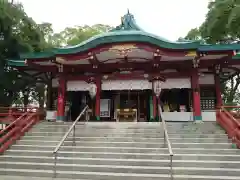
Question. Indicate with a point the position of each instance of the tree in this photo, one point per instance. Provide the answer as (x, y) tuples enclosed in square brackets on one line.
[(51, 39), (221, 26), (222, 22), (194, 34), (78, 34), (71, 35), (19, 34)]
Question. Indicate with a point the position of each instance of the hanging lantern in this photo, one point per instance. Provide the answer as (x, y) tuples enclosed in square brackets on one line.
[(92, 90), (1, 36), (157, 87)]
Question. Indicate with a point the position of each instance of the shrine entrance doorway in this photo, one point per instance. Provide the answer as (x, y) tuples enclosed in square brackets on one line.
[(132, 105), (125, 105)]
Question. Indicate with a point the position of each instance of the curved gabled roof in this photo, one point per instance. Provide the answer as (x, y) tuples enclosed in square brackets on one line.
[(129, 31)]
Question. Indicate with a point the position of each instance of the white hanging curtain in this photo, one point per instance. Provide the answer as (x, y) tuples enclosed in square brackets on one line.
[(55, 82), (78, 86), (126, 85), (207, 79), (176, 83)]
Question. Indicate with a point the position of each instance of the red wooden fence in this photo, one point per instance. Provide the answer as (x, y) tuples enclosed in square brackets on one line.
[(9, 114), (19, 126), (232, 125)]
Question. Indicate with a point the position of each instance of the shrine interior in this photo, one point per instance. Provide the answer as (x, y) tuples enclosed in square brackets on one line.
[(176, 100), (172, 100), (111, 100)]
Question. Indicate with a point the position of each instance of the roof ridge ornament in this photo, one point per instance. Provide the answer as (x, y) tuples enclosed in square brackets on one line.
[(127, 23)]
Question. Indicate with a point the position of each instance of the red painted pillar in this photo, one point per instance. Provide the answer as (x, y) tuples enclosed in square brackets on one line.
[(197, 115), (61, 99), (98, 93), (218, 90)]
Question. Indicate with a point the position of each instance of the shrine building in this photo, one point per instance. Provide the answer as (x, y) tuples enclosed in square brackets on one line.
[(125, 73)]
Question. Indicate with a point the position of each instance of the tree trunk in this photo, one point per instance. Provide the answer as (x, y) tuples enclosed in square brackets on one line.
[(230, 94), (25, 98), (41, 91)]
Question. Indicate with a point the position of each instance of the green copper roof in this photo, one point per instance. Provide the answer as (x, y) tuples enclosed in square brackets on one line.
[(129, 31), (18, 63)]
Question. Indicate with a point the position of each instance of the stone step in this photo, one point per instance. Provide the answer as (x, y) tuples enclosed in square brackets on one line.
[(130, 135), (116, 130), (127, 155), (124, 151), (132, 126), (108, 124), (136, 129), (9, 177), (122, 169), (109, 176), (124, 162), (127, 149), (129, 139), (124, 144)]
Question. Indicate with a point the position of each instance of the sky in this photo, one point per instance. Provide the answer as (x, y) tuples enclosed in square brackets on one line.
[(169, 19)]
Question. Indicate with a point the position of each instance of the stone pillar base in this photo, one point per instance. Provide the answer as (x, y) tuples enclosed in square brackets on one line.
[(197, 118), (60, 118)]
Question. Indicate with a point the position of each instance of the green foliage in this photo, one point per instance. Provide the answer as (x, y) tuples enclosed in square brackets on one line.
[(221, 26), (51, 39), (21, 34), (70, 35), (194, 34), (78, 34), (222, 22)]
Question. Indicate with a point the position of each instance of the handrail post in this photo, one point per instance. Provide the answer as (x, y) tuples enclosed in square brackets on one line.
[(87, 116), (171, 168), (74, 140), (164, 136), (72, 128), (167, 141), (55, 165)]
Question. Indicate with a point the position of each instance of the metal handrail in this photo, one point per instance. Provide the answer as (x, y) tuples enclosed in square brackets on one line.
[(72, 128), (166, 139)]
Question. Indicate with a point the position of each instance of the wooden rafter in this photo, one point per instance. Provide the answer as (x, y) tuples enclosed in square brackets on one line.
[(156, 61), (41, 68), (94, 60), (24, 73), (133, 75)]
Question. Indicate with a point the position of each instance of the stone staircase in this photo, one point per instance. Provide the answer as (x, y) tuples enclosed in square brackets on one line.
[(123, 151)]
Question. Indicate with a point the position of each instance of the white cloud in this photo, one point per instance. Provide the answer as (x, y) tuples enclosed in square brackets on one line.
[(167, 18)]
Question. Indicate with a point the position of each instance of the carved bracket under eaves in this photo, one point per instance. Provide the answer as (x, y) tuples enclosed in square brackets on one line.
[(60, 68), (196, 62), (217, 68)]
